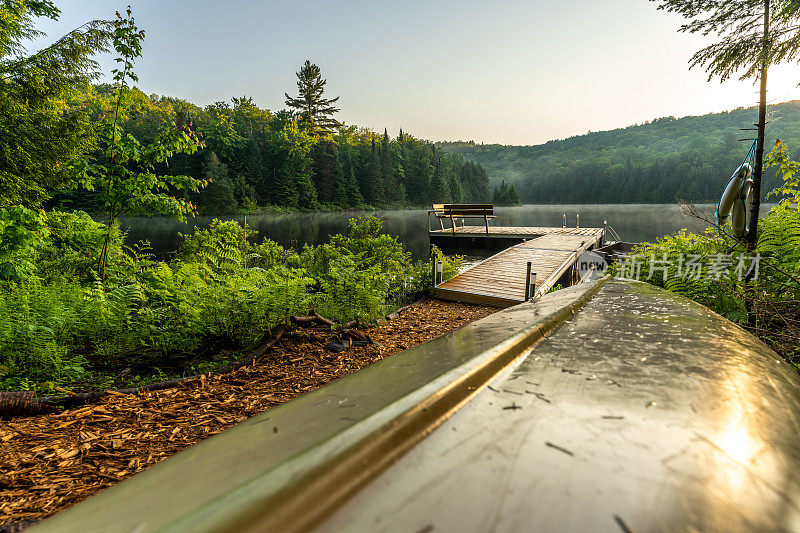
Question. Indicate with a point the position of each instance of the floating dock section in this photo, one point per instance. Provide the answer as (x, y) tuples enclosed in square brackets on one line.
[(501, 279), (455, 239)]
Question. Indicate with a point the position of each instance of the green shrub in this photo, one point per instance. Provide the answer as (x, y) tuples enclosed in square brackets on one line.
[(60, 323)]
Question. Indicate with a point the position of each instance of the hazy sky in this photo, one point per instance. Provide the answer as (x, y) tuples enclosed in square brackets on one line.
[(509, 71)]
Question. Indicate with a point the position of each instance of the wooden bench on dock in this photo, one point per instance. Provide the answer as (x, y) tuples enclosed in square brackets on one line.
[(462, 211)]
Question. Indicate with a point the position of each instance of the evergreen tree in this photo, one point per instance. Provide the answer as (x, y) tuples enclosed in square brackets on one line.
[(293, 186), (455, 189), (387, 171), (350, 194), (315, 112), (347, 193), (475, 183), (284, 192), (376, 194), (440, 184), (327, 170), (218, 196), (244, 194), (39, 141), (253, 168), (401, 194), (505, 195)]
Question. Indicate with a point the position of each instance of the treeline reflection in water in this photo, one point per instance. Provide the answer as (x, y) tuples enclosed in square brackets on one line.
[(633, 223)]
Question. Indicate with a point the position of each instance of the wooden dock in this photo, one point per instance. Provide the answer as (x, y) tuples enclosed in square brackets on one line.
[(512, 232), (500, 280)]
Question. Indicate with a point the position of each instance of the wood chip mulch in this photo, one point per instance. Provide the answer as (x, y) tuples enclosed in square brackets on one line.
[(50, 462)]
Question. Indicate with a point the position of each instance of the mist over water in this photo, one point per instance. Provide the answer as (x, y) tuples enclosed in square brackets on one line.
[(633, 223)]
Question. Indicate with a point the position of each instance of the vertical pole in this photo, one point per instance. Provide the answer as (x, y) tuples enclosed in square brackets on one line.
[(528, 282), (433, 269), (440, 271), (752, 232), (578, 220), (533, 284), (603, 236), (564, 221)]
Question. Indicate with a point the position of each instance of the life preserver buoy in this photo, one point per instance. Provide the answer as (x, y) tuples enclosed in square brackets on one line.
[(732, 191), (741, 209)]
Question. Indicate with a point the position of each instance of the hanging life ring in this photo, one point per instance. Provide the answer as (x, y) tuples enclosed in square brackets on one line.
[(741, 209), (732, 191)]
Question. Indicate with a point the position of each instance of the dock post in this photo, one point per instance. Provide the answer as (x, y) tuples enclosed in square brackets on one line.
[(577, 220), (530, 282), (603, 236), (564, 222)]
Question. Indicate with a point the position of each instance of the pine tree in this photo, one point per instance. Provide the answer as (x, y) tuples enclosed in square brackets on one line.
[(316, 113)]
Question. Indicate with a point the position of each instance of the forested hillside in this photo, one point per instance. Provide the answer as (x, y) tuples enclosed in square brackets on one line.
[(255, 157), (689, 158)]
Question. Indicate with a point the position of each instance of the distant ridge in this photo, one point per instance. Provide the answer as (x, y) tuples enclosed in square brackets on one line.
[(688, 158)]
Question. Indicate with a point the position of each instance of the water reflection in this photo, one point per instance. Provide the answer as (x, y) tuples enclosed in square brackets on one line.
[(633, 223)]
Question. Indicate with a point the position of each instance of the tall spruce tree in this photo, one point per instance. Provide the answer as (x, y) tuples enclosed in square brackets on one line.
[(316, 113)]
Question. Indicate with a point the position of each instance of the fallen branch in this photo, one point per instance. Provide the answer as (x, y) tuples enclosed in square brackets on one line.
[(21, 403), (311, 318), (356, 335)]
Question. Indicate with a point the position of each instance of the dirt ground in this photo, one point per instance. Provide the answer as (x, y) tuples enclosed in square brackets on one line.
[(50, 462)]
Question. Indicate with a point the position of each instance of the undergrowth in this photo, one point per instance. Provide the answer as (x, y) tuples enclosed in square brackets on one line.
[(63, 328)]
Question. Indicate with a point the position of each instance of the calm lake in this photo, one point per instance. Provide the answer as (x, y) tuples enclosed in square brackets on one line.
[(633, 223)]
